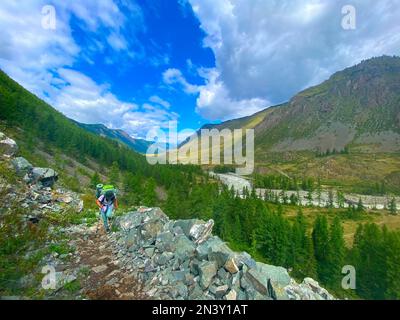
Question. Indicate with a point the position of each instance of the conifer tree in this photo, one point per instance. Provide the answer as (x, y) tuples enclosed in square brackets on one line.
[(393, 206), (360, 206), (114, 177), (337, 253), (149, 193), (320, 236), (392, 251), (301, 252), (330, 199), (95, 180), (172, 204), (371, 262)]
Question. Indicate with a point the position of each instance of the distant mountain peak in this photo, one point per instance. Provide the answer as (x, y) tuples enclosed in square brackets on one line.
[(138, 145)]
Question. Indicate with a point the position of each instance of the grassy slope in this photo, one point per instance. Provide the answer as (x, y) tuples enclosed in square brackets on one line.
[(350, 224), (243, 123), (358, 172)]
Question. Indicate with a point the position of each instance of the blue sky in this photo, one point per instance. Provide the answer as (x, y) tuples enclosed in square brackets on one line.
[(138, 64)]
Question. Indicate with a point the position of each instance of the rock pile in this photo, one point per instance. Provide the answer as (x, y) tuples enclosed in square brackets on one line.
[(182, 260), (37, 195)]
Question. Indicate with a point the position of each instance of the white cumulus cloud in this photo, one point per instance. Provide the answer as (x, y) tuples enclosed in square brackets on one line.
[(267, 51), (43, 60)]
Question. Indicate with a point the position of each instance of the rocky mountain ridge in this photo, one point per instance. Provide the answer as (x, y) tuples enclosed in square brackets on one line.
[(355, 108), (138, 145)]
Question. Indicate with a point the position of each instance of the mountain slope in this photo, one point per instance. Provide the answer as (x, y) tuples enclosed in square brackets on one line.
[(48, 136), (358, 107), (22, 109), (345, 131), (138, 145)]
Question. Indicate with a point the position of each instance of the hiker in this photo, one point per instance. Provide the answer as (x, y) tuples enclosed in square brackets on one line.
[(107, 201)]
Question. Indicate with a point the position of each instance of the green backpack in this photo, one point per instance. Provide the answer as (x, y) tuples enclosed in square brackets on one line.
[(109, 191)]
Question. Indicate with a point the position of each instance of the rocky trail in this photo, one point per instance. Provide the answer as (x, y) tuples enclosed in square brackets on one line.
[(106, 279)]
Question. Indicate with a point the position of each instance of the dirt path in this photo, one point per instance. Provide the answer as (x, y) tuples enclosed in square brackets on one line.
[(106, 279)]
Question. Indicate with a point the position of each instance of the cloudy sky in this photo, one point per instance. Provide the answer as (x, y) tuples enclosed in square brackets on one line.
[(138, 64)]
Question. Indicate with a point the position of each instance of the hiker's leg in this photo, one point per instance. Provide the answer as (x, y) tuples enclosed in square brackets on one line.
[(109, 212), (104, 217)]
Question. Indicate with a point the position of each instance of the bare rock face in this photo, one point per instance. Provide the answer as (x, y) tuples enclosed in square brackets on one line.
[(182, 260), (8, 147)]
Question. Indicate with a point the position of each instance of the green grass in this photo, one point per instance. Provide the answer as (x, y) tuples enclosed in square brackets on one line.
[(21, 250), (73, 287), (71, 217), (84, 272), (7, 174), (61, 248)]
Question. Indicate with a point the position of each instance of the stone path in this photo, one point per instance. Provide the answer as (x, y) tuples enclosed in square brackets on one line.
[(106, 279)]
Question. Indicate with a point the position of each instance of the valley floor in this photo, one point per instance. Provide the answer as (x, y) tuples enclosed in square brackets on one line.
[(369, 202), (374, 205)]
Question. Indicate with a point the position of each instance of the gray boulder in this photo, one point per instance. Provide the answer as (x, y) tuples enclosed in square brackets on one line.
[(204, 248), (309, 289), (165, 242), (277, 274), (184, 248), (45, 176), (151, 229), (132, 239), (129, 221), (265, 278), (177, 276), (230, 265), (164, 258), (221, 291), (21, 166), (149, 252), (277, 291), (8, 147), (196, 230), (196, 293), (186, 225), (207, 272), (244, 259), (219, 253)]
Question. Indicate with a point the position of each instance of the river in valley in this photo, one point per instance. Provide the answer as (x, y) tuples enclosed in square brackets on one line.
[(238, 183)]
